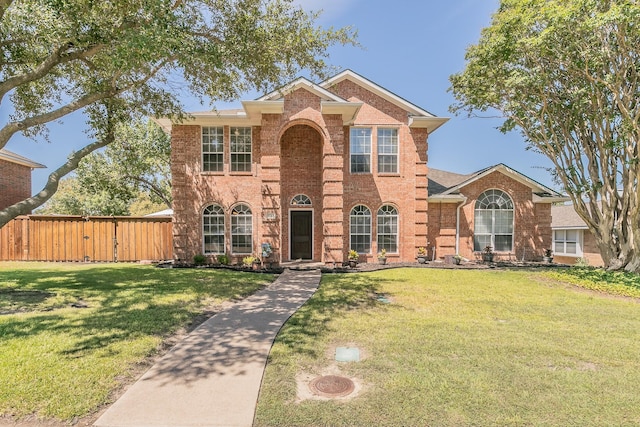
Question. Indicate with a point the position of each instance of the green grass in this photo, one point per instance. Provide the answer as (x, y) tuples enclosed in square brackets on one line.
[(460, 348), (61, 362)]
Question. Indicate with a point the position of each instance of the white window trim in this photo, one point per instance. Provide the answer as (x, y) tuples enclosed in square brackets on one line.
[(493, 223), (370, 228), (579, 242), (231, 152), (231, 234), (351, 154), (202, 130), (397, 172), (224, 235), (397, 234)]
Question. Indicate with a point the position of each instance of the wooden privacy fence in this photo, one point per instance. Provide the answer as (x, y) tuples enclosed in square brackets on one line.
[(93, 238)]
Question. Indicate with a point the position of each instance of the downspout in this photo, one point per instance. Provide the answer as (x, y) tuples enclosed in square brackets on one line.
[(458, 224)]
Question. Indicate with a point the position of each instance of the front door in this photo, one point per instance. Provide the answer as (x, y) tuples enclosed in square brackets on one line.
[(301, 234)]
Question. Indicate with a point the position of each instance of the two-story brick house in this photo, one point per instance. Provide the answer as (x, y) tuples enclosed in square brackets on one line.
[(314, 170)]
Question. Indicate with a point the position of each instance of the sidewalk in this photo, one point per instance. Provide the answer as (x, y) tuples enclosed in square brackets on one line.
[(213, 377)]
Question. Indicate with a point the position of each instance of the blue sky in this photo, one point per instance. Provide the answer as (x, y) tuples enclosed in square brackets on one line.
[(409, 47)]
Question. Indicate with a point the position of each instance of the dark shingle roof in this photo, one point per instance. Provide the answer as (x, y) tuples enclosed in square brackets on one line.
[(440, 181)]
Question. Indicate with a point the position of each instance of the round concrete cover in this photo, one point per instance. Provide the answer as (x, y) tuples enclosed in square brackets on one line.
[(331, 386)]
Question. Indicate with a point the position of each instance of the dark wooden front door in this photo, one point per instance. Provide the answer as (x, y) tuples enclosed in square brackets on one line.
[(301, 234)]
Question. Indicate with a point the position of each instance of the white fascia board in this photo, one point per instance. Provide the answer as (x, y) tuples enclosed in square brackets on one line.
[(429, 123), (569, 227), (448, 198), (303, 83), (557, 199), (348, 110), (378, 90), (12, 157)]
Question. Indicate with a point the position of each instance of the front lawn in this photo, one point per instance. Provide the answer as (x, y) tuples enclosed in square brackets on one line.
[(459, 348), (72, 334)]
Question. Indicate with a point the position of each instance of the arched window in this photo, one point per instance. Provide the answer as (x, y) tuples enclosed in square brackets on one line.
[(241, 230), (301, 200), (213, 229), (388, 229), (360, 229), (493, 224)]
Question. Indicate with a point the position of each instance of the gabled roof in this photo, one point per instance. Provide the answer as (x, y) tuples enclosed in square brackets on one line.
[(418, 117), (18, 159), (446, 186), (302, 83), (566, 217)]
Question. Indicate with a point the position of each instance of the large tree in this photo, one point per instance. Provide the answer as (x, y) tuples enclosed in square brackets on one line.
[(129, 176), (134, 58), (566, 73)]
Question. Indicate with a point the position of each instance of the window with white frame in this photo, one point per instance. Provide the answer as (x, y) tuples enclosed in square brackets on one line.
[(493, 221), (212, 149), (300, 200), (567, 242), (360, 150), (241, 230), (388, 229), (213, 229), (387, 150), (240, 147), (360, 229)]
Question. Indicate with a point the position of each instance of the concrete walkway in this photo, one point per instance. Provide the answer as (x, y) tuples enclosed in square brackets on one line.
[(213, 377)]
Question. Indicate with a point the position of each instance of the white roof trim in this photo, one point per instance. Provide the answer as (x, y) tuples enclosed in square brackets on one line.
[(12, 157), (514, 175), (449, 198), (570, 227), (429, 123), (378, 90), (303, 83)]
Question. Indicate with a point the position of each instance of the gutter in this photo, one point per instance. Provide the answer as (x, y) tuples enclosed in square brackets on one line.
[(458, 224)]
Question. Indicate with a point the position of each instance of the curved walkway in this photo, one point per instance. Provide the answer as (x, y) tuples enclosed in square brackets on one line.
[(213, 377)]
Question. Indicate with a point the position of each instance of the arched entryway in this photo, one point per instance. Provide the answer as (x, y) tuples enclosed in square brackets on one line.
[(301, 192)]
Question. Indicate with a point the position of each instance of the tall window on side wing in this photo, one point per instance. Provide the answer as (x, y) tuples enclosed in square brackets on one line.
[(493, 221), (213, 229)]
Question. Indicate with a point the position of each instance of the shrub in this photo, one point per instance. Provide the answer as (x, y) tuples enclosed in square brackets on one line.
[(199, 259), (223, 259)]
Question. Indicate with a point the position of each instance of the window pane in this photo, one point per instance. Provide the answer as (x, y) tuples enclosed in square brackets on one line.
[(480, 242), (240, 149), (571, 248), (388, 150), (212, 149), (572, 235), (504, 221), (360, 150), (360, 229), (213, 230), (503, 243), (483, 223), (558, 247)]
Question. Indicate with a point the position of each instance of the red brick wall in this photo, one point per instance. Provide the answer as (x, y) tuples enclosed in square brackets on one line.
[(532, 222), (304, 151), (15, 183)]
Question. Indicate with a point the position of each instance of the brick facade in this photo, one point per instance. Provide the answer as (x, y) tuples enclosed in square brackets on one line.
[(300, 146), (15, 183)]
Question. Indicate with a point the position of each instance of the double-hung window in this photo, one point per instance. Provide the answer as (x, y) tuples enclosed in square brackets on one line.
[(493, 221), (212, 149), (360, 150), (567, 242), (387, 150), (240, 149), (388, 229)]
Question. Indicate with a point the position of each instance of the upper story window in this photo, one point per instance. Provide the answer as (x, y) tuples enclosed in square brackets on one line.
[(301, 200), (240, 149), (387, 150), (493, 221), (567, 242), (212, 149), (213, 229), (360, 150)]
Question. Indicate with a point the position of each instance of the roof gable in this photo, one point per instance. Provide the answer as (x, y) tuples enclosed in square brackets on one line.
[(301, 83)]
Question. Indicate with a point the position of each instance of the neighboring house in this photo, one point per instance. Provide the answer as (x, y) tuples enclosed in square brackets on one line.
[(571, 237), (313, 170), (15, 177)]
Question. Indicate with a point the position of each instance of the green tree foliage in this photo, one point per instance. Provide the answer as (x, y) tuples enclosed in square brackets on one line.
[(566, 73), (131, 176), (114, 60)]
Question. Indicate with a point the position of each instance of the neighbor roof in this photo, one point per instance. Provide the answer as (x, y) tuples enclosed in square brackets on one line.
[(18, 159), (444, 185), (565, 216)]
